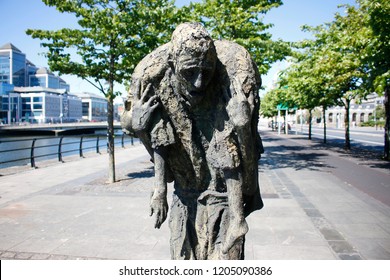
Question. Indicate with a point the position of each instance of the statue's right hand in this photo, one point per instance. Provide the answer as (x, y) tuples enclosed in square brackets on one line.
[(143, 108), (159, 206), (238, 107)]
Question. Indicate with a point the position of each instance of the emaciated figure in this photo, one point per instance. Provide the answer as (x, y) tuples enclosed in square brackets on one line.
[(194, 104)]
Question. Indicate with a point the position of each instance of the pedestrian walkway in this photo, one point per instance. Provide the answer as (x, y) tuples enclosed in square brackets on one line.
[(69, 211)]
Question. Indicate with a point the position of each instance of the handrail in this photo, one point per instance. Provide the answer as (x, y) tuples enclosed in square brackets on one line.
[(88, 138)]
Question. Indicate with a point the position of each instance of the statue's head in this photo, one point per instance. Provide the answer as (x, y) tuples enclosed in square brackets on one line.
[(194, 59)]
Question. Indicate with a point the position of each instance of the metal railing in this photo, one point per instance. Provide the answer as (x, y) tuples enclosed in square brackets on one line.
[(58, 148)]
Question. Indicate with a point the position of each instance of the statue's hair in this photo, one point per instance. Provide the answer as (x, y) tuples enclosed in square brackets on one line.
[(191, 38)]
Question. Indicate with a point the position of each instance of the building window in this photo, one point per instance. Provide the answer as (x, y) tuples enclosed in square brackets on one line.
[(354, 117), (5, 67), (330, 117), (85, 109), (19, 69), (37, 106), (53, 82), (37, 99), (4, 105)]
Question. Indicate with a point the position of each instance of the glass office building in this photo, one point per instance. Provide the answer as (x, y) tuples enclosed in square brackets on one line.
[(10, 104), (12, 66), (16, 70), (45, 105), (94, 107), (43, 77), (36, 95), (32, 94)]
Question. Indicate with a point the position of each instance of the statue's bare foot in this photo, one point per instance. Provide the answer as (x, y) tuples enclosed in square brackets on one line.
[(237, 229)]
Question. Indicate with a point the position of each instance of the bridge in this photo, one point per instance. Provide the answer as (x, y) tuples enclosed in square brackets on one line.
[(56, 128)]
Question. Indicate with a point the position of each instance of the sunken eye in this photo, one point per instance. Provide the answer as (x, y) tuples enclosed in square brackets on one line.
[(188, 73)]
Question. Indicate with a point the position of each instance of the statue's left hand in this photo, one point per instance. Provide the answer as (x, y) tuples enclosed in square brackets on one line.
[(143, 108), (159, 206)]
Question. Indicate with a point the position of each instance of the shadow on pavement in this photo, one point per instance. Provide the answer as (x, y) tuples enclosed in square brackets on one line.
[(146, 173), (297, 158)]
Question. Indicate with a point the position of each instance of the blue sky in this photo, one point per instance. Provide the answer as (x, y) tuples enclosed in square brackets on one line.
[(19, 15)]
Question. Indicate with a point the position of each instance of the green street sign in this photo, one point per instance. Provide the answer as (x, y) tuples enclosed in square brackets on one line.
[(282, 107)]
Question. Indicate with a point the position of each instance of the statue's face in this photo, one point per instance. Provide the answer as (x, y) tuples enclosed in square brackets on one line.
[(195, 73)]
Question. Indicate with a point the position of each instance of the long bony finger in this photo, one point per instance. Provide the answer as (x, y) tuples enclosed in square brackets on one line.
[(145, 93)]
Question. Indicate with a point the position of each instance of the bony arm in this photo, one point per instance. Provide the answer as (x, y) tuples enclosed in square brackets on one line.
[(238, 227), (158, 201)]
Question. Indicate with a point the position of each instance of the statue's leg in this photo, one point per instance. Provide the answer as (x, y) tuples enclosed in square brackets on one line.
[(217, 218), (182, 231)]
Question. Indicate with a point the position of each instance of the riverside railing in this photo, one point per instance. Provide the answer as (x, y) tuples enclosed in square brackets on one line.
[(31, 149)]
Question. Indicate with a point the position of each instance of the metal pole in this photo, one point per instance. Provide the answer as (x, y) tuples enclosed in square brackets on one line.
[(81, 146), (97, 145), (278, 122), (376, 128), (32, 159), (285, 123), (60, 149)]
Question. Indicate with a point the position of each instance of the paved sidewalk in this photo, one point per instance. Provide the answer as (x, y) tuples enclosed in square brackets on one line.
[(68, 211)]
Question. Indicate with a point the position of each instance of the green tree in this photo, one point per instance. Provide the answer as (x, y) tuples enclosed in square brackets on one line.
[(276, 98), (379, 113), (112, 38), (269, 103), (242, 21), (337, 48), (307, 85), (376, 58)]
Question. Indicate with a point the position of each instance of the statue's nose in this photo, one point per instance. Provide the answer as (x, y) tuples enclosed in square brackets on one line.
[(199, 80)]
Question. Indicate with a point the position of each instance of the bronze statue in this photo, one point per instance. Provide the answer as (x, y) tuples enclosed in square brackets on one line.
[(194, 104)]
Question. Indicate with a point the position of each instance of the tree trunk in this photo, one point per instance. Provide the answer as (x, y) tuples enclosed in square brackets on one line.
[(110, 120), (110, 140), (346, 124), (324, 120), (387, 124), (310, 119)]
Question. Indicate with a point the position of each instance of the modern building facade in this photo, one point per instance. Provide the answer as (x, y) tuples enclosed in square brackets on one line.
[(44, 105), (42, 77), (10, 104), (94, 106), (13, 66)]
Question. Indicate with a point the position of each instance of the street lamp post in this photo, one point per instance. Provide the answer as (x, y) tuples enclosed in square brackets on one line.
[(376, 128), (278, 122)]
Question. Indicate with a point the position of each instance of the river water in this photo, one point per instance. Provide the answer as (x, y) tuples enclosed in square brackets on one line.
[(16, 151)]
